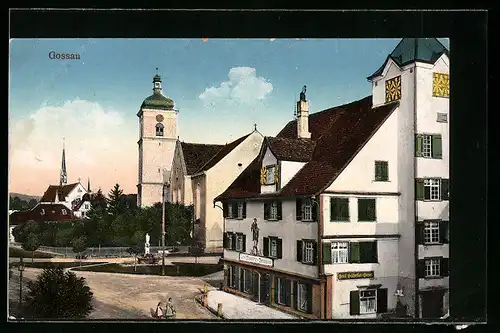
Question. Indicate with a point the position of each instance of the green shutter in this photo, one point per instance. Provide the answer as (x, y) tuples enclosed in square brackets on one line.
[(444, 267), (244, 210), (327, 253), (309, 298), (378, 171), (276, 288), (279, 209), (279, 248), (421, 268), (333, 213), (361, 210), (299, 251), (419, 189), (266, 246), (445, 189), (443, 232), (354, 302), (418, 145), (354, 252), (345, 209), (266, 211), (419, 233), (371, 210), (385, 171), (295, 294), (298, 209), (437, 149), (225, 209)]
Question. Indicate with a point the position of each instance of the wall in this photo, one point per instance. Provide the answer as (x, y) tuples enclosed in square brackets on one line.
[(220, 176), (199, 201), (287, 229), (268, 159), (386, 274), (179, 179), (288, 170), (151, 194), (386, 215)]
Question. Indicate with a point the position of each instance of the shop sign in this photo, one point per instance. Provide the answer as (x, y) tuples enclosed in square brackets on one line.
[(256, 260), (355, 275)]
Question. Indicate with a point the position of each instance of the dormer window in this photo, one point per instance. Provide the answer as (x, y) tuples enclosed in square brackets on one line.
[(269, 175), (159, 129)]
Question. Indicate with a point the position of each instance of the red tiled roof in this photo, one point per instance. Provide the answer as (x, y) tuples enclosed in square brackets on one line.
[(63, 191), (42, 212), (339, 132), (223, 152), (197, 154), (286, 149)]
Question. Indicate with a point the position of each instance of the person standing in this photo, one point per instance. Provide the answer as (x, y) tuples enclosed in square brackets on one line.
[(159, 311), (169, 309)]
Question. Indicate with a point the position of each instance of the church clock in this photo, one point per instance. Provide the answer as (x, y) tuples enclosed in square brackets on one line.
[(159, 118)]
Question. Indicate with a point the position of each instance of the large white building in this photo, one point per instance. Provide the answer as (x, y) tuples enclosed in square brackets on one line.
[(345, 213), (157, 140)]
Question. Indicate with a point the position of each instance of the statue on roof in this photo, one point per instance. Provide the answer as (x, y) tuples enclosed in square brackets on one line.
[(303, 93)]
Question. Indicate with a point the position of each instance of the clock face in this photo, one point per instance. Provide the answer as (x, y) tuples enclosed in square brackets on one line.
[(159, 118)]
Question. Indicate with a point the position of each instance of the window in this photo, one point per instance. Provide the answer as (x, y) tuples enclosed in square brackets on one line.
[(366, 210), (368, 301), (234, 281), (235, 210), (64, 212), (339, 209), (432, 267), (381, 171), (306, 210), (431, 189), (159, 129), (308, 255), (229, 241), (87, 206), (84, 214), (247, 286), (442, 117), (282, 291), (340, 252), (431, 232), (393, 89), (273, 247), (270, 175), (240, 210), (302, 297), (429, 146), (240, 242), (230, 211), (272, 211)]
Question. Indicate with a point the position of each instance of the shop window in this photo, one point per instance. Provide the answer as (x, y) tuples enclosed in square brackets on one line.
[(282, 291)]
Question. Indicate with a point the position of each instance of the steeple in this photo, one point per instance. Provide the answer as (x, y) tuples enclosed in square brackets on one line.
[(157, 83), (88, 185), (64, 176)]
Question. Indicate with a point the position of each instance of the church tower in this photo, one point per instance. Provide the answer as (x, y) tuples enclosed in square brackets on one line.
[(63, 178), (157, 138)]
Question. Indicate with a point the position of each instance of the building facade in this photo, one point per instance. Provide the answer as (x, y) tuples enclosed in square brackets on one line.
[(200, 172), (156, 145), (344, 213)]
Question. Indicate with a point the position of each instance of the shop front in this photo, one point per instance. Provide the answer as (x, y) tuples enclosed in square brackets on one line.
[(255, 278)]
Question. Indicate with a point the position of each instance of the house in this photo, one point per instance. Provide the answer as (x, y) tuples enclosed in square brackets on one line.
[(74, 196), (43, 212), (344, 214), (202, 171)]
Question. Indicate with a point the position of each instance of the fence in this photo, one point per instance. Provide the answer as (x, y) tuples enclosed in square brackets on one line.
[(103, 251)]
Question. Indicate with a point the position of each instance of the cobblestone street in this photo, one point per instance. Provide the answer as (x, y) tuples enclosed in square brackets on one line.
[(125, 296)]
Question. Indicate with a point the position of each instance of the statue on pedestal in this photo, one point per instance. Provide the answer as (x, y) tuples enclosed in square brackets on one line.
[(146, 245), (255, 237)]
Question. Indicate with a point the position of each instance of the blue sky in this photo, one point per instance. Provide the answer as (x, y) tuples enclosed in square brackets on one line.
[(94, 100)]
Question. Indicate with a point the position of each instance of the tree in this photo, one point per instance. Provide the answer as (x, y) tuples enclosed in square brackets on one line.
[(79, 245), (57, 294), (32, 244), (98, 201), (197, 249), (136, 247), (116, 202), (63, 236)]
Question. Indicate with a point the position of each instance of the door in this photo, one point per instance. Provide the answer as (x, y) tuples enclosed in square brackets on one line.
[(264, 288), (255, 286), (432, 304)]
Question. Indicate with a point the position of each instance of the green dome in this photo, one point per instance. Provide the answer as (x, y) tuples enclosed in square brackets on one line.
[(158, 101)]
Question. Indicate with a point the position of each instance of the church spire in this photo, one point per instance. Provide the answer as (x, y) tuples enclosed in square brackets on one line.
[(88, 185), (64, 176), (157, 83)]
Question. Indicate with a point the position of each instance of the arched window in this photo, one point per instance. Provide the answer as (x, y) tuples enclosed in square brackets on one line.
[(159, 129)]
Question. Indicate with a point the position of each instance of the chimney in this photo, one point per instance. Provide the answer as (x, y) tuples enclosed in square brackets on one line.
[(303, 116)]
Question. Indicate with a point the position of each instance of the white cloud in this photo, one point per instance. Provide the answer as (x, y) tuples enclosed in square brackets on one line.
[(97, 140), (243, 86)]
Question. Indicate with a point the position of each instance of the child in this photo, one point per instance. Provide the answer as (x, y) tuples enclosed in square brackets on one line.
[(169, 309)]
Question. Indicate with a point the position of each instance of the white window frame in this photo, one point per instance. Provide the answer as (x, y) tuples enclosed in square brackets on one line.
[(230, 240), (426, 145), (307, 252), (240, 210), (273, 211), (270, 175), (87, 206), (230, 211), (273, 247), (159, 129), (340, 252), (434, 185), (246, 287), (367, 302), (302, 296), (431, 232), (239, 243), (281, 298), (307, 210), (432, 267)]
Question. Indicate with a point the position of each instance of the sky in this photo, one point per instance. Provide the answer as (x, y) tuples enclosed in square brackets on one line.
[(221, 87)]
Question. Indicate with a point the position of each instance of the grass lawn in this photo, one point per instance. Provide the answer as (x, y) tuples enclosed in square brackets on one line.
[(43, 265), (15, 252), (178, 269)]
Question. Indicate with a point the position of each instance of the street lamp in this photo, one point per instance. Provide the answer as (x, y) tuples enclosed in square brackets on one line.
[(163, 231), (223, 225), (20, 268)]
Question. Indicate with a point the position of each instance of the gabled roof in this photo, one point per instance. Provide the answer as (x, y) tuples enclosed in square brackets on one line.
[(196, 155), (414, 49), (42, 212), (341, 134), (294, 150), (63, 191), (223, 152)]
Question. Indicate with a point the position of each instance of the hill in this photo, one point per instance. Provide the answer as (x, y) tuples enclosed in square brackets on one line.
[(25, 197)]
